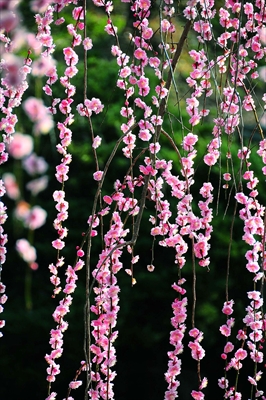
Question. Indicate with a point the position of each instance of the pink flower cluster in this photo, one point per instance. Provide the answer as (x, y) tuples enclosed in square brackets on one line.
[(186, 222), (106, 309), (199, 80), (179, 307), (14, 85), (56, 340), (252, 214), (255, 323), (133, 79), (197, 353), (206, 13), (62, 215)]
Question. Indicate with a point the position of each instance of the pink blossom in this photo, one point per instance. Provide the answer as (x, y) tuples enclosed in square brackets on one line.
[(197, 351), (78, 13), (227, 176), (241, 354), (253, 266), (190, 13), (194, 333), (154, 147), (96, 142), (223, 383), (34, 164), (228, 307), (58, 244), (94, 105), (35, 218), (144, 135), (52, 396), (37, 185), (165, 25), (154, 62), (197, 395), (225, 330), (254, 295), (59, 195), (228, 347), (12, 188), (21, 145), (140, 54), (110, 29), (97, 176), (35, 108), (26, 251), (189, 141), (40, 6)]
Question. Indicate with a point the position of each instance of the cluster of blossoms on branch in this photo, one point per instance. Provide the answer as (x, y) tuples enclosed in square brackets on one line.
[(145, 77)]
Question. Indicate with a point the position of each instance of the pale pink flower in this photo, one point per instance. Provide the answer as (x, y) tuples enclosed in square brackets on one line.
[(241, 354), (52, 396), (39, 5), (58, 244), (223, 383), (110, 29), (96, 142), (78, 13), (22, 210), (204, 383), (228, 347), (35, 165), (97, 176), (165, 25), (144, 135), (11, 186), (26, 251), (42, 66), (254, 295), (37, 185), (227, 176), (9, 20), (94, 105), (87, 43), (189, 141), (225, 330), (197, 395), (36, 218), (21, 146)]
